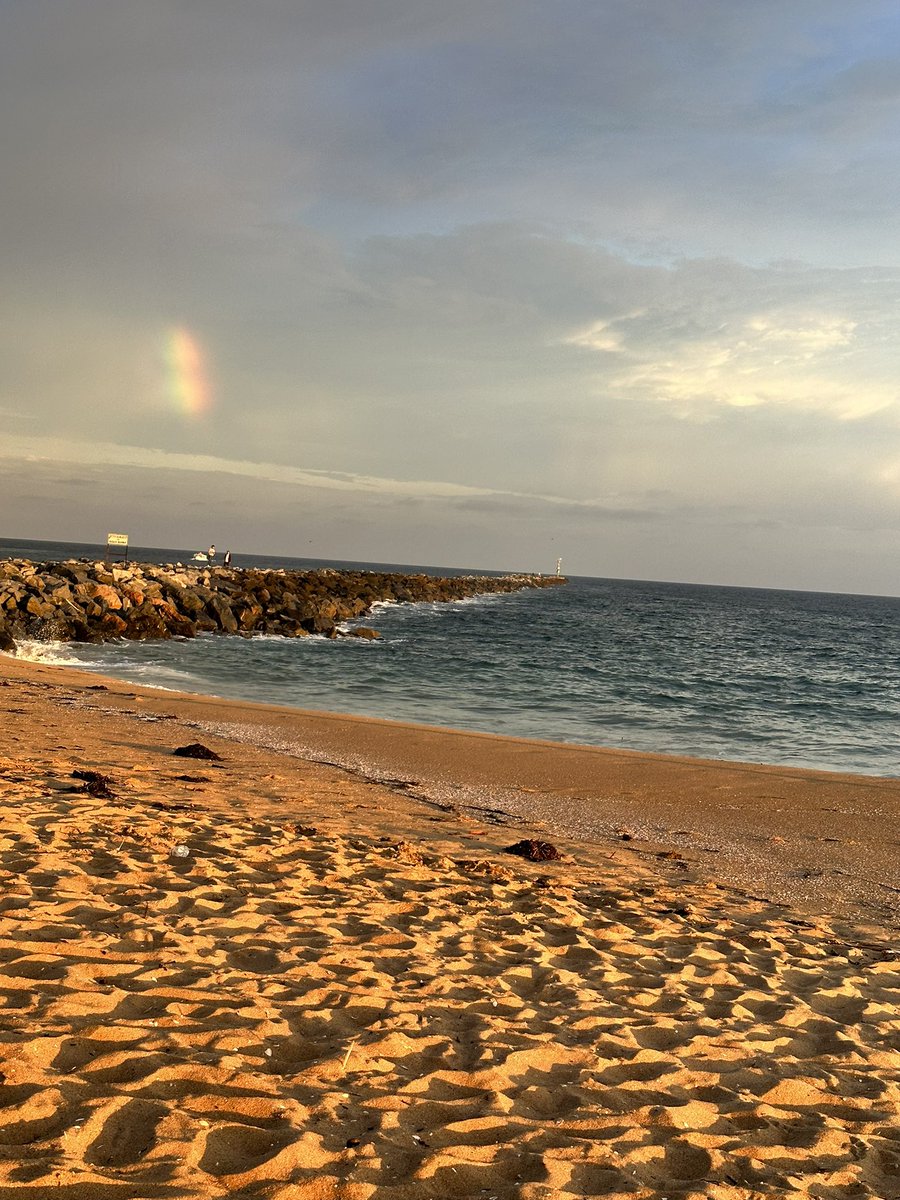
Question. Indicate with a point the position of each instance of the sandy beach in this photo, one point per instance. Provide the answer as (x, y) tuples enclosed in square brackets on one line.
[(310, 968)]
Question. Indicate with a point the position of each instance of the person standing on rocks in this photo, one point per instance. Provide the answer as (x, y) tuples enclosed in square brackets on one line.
[(211, 553)]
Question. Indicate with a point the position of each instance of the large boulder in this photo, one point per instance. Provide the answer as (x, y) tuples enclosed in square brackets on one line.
[(109, 597), (187, 601), (221, 611), (249, 616), (36, 607), (12, 591), (144, 623), (108, 627)]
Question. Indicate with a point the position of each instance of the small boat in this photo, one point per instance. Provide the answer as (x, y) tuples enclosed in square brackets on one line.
[(200, 557)]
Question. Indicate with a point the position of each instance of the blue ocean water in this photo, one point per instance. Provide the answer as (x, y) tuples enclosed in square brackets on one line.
[(794, 678)]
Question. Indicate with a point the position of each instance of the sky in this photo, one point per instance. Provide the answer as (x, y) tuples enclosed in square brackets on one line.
[(478, 283)]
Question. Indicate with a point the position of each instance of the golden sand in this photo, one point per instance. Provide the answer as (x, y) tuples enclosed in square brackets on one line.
[(265, 977)]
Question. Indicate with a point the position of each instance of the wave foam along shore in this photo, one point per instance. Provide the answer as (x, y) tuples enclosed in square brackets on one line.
[(342, 991), (96, 602)]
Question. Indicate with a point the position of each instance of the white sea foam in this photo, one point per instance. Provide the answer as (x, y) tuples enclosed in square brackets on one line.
[(279, 641), (483, 598), (380, 604), (57, 654), (93, 659), (437, 606), (151, 675)]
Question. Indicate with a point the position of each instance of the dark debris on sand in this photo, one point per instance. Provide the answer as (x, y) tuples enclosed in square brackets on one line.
[(196, 750), (96, 784), (533, 850)]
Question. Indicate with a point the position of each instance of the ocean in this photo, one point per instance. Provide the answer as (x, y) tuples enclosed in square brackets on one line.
[(793, 678)]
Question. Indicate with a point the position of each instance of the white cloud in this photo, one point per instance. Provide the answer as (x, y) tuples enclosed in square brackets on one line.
[(764, 361), (600, 336), (800, 335), (59, 451), (698, 351)]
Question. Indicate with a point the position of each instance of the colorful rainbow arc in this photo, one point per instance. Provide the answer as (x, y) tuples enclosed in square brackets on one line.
[(188, 384)]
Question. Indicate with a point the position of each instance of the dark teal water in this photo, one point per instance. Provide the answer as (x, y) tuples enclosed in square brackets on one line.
[(797, 678)]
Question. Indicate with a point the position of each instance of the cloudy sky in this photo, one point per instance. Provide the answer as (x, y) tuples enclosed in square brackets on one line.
[(476, 282)]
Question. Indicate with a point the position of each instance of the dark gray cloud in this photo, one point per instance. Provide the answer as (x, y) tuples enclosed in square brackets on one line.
[(695, 123)]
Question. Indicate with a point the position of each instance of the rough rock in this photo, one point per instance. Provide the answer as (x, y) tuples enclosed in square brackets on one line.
[(92, 602)]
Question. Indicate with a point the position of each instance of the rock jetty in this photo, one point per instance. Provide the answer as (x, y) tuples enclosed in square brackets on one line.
[(77, 601)]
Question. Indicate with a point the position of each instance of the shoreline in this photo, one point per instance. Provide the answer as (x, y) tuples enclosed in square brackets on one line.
[(823, 842), (267, 977)]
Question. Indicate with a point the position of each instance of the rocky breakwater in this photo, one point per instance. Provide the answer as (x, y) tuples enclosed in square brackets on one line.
[(78, 601)]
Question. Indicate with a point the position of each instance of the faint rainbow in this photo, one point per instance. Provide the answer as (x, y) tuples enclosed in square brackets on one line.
[(187, 379)]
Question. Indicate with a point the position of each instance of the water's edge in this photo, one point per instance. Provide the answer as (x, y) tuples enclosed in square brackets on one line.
[(726, 674)]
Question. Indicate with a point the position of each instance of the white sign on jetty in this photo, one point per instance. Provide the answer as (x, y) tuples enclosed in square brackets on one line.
[(117, 539)]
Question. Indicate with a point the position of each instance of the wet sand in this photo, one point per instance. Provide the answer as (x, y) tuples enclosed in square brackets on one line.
[(267, 976)]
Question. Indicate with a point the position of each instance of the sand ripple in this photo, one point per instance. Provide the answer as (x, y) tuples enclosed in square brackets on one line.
[(306, 1007)]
